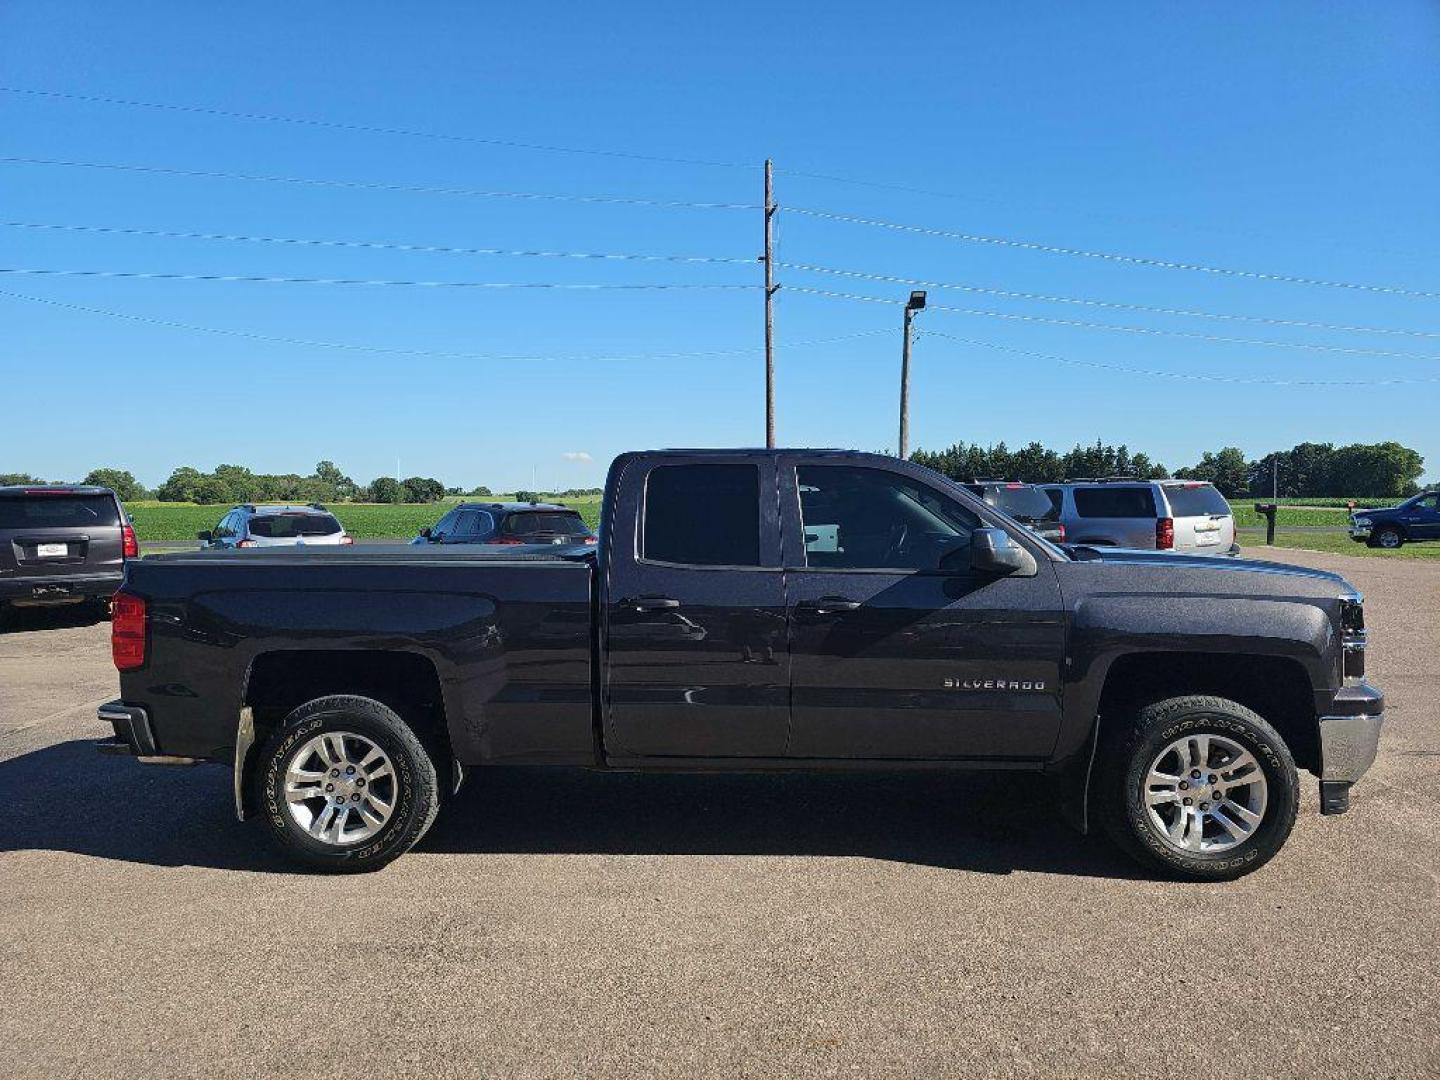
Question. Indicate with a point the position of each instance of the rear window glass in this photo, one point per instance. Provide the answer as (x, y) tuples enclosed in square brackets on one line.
[(536, 522), (1115, 502), (1196, 501), (703, 515), (279, 526), (1024, 502), (58, 512)]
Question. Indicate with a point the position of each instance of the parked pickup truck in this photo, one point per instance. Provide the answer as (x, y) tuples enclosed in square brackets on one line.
[(754, 610)]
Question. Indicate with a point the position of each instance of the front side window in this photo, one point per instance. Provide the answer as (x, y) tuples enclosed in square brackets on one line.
[(1115, 502), (859, 518), (702, 515)]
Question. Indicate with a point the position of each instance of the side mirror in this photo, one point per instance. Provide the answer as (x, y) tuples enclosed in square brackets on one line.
[(992, 551), (206, 536), (425, 532)]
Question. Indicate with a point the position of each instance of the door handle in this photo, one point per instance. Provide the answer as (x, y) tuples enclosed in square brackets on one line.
[(653, 603), (827, 604)]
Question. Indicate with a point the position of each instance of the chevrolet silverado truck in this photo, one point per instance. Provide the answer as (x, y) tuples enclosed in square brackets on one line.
[(754, 610)]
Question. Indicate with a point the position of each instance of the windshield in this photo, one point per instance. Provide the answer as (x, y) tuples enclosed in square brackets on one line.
[(1195, 500), (1024, 502), (279, 526), (58, 512)]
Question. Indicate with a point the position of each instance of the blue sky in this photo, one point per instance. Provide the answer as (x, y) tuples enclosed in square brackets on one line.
[(1297, 139)]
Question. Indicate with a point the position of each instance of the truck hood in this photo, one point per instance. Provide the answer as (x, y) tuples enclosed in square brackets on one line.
[(1187, 573)]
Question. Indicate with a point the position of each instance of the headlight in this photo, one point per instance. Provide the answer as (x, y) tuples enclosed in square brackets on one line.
[(1362, 521)]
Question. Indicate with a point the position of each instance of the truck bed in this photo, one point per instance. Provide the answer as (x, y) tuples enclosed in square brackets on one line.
[(504, 639)]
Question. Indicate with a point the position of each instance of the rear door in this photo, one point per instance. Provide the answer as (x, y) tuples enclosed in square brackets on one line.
[(1203, 521), (893, 657), (694, 614), (52, 534)]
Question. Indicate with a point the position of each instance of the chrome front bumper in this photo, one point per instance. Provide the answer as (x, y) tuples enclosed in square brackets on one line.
[(1349, 741), (1360, 532)]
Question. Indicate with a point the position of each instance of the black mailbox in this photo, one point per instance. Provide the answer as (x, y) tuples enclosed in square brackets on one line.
[(1269, 510)]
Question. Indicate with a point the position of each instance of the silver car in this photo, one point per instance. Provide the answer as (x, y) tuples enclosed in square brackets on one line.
[(1188, 516), (252, 526)]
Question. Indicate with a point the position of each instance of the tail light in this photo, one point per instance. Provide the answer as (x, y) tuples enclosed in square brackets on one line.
[(247, 543), (127, 631), (347, 539), (1164, 534), (504, 540), (1061, 527), (128, 547), (590, 540)]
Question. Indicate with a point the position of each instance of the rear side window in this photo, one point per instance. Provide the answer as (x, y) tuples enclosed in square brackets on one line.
[(1024, 502), (1115, 502), (703, 515), (1057, 500), (280, 526), (59, 512), (1195, 500), (535, 522)]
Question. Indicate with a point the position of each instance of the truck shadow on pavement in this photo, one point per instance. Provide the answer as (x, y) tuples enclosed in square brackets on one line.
[(981, 823)]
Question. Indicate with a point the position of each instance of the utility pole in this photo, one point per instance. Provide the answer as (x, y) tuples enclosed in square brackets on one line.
[(1275, 477), (914, 304), (769, 259)]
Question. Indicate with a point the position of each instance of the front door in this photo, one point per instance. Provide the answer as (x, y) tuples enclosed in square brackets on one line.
[(893, 657), (695, 619)]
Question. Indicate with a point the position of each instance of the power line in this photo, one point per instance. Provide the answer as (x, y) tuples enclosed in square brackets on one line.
[(1146, 330), (370, 185), (1110, 256), (370, 129), (1110, 304), (276, 280), (251, 335), (1194, 377), (378, 245)]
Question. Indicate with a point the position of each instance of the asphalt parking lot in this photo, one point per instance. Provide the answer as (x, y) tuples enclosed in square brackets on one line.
[(611, 925)]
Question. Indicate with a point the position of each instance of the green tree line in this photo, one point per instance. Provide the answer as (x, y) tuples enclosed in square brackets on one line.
[(1365, 470)]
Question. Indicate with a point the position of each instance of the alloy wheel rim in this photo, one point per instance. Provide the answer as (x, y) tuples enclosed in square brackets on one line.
[(1389, 539), (1204, 794), (340, 788)]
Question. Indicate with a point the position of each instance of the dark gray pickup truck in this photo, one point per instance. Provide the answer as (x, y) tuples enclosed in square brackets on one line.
[(752, 610)]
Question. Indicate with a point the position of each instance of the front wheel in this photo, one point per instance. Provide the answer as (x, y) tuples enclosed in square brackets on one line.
[(1387, 537), (346, 785), (1200, 787)]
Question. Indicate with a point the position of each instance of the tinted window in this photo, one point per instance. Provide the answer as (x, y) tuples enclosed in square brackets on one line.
[(280, 526), (703, 515), (554, 522), (855, 517), (58, 512), (1115, 502), (1057, 500), (471, 523), (1023, 501), (1195, 500)]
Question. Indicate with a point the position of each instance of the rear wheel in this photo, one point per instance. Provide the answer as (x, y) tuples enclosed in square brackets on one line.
[(346, 785), (1200, 787), (1387, 536)]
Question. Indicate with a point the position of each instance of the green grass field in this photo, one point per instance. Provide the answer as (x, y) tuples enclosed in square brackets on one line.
[(161, 521), (1340, 544)]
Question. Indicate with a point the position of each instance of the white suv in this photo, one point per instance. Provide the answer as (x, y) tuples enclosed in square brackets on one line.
[(1188, 516), (252, 526)]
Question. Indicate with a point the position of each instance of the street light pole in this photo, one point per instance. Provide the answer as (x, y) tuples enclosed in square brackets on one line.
[(769, 259), (914, 304)]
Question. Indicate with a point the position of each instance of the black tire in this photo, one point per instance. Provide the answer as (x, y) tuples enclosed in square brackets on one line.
[(1388, 537), (415, 795), (1129, 752)]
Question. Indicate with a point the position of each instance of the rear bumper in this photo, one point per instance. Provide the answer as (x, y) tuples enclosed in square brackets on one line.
[(59, 588), (133, 735)]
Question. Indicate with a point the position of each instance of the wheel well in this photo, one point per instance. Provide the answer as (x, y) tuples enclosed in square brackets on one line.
[(1275, 687), (406, 682)]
